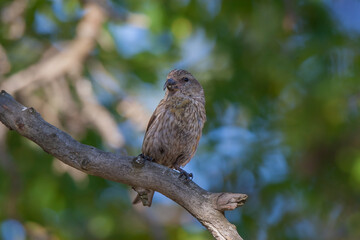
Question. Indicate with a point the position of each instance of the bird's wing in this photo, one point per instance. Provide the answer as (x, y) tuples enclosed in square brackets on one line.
[(155, 114)]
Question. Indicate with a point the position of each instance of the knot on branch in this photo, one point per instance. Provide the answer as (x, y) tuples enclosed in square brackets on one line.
[(144, 196), (19, 124), (230, 201), (139, 161), (31, 110), (84, 163)]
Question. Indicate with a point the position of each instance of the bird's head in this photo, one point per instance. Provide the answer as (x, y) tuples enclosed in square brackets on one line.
[(180, 81)]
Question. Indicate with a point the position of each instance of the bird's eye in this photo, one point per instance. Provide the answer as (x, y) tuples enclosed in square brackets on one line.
[(186, 79)]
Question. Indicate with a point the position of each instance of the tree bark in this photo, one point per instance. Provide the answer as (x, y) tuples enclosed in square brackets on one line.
[(208, 208)]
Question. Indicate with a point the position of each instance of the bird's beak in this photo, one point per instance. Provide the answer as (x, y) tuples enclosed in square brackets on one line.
[(170, 84)]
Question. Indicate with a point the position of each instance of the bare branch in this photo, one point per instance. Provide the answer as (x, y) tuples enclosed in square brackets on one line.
[(12, 16), (68, 61), (98, 115), (206, 207), (5, 65)]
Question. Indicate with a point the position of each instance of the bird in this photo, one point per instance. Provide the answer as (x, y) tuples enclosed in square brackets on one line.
[(174, 129)]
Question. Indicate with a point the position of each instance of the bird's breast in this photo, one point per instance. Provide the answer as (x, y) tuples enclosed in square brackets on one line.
[(175, 132)]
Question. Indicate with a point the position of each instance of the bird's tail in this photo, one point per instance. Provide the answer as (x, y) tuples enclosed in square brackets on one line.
[(144, 195)]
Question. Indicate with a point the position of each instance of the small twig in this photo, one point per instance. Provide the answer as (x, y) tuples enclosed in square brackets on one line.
[(230, 201)]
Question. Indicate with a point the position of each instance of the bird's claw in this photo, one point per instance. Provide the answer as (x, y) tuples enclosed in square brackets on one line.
[(188, 176), (147, 158)]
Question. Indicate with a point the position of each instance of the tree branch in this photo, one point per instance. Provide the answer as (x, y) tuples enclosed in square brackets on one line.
[(205, 206)]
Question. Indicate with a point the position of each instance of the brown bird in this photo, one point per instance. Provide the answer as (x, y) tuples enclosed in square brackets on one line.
[(174, 129)]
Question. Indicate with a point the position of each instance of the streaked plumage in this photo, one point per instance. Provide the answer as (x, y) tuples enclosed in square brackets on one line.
[(174, 129)]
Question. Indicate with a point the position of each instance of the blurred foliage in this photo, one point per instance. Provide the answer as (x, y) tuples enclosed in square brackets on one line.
[(282, 86)]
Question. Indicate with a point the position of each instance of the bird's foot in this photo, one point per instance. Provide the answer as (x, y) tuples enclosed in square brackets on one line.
[(188, 176), (140, 160), (147, 158)]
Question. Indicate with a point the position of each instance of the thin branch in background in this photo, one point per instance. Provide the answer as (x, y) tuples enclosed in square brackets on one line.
[(67, 62), (98, 115), (66, 109), (10, 168), (11, 15), (55, 66), (5, 65), (133, 110), (127, 106)]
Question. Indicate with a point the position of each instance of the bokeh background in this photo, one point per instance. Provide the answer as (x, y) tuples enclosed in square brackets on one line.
[(283, 102)]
